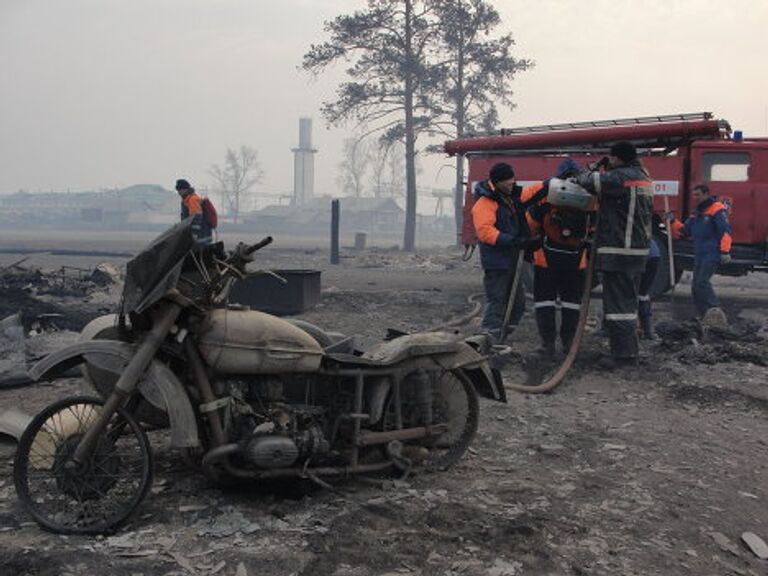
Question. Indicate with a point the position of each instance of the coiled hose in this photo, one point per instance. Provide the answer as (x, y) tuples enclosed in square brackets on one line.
[(555, 380)]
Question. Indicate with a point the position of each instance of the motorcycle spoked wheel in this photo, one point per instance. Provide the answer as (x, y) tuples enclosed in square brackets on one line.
[(454, 402), (100, 495)]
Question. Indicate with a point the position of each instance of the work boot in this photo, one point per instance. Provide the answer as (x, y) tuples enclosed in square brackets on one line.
[(612, 363), (566, 341), (646, 320), (547, 349), (714, 318), (491, 335)]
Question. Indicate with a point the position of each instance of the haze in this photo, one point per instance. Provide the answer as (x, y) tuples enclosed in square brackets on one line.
[(110, 93)]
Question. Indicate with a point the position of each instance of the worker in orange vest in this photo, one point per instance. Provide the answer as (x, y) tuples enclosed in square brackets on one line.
[(710, 230), (192, 207), (501, 228)]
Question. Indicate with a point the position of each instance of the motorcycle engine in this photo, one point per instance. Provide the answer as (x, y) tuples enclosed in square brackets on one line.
[(273, 432)]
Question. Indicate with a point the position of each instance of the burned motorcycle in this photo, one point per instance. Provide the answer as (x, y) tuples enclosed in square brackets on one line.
[(246, 395)]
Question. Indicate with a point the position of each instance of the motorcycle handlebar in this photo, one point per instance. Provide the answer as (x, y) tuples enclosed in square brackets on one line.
[(260, 244)]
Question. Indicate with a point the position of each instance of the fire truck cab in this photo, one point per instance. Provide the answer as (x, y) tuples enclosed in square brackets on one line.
[(679, 151)]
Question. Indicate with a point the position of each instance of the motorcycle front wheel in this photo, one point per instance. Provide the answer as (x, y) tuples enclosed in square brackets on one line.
[(435, 398), (95, 497)]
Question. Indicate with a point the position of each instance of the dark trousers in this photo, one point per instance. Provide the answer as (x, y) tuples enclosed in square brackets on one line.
[(646, 281), (620, 308), (703, 294), (497, 285), (549, 285)]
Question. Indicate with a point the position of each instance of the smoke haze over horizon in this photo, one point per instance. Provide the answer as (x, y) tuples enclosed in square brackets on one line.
[(110, 93)]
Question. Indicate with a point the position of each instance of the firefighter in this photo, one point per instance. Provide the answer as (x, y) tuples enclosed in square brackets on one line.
[(711, 232), (622, 239), (644, 297), (499, 220), (559, 264), (192, 207)]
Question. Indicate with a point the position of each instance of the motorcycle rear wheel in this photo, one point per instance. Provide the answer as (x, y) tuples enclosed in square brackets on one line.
[(454, 403), (102, 493)]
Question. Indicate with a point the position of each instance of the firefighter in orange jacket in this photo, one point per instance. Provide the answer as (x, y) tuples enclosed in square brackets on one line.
[(559, 264)]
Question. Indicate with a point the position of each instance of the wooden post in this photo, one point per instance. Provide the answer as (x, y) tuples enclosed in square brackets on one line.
[(511, 294), (335, 216), (670, 252)]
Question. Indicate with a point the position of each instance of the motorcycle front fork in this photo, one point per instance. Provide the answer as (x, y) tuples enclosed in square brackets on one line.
[(128, 381)]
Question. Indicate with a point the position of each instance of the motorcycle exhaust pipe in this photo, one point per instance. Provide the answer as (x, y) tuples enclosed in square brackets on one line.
[(221, 453), (216, 454)]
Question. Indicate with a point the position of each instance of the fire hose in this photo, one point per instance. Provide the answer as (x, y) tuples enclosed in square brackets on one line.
[(555, 380), (563, 369)]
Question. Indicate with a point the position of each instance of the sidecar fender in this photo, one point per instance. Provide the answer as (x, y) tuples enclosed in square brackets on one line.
[(159, 385), (465, 357), (468, 362), (412, 346)]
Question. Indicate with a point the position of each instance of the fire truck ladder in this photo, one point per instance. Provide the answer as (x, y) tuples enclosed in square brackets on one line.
[(650, 134), (694, 116)]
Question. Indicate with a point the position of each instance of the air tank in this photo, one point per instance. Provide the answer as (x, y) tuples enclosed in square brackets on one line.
[(568, 194)]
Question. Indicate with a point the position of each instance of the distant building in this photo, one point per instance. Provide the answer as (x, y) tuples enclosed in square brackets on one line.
[(139, 205), (372, 215)]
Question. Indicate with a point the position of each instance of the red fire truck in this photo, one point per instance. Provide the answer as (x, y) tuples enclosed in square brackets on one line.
[(679, 151)]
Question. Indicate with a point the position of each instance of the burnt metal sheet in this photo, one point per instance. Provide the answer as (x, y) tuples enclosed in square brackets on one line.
[(156, 269)]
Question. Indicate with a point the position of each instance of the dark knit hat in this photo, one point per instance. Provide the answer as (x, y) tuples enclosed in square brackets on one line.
[(500, 172), (182, 184), (703, 187), (624, 151)]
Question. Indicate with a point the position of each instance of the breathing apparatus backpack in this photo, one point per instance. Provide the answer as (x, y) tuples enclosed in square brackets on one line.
[(210, 216), (571, 224)]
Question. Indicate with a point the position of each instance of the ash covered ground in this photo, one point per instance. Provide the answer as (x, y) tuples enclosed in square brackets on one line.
[(656, 469)]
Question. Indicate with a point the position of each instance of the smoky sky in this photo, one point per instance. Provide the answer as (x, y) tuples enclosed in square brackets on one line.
[(110, 93)]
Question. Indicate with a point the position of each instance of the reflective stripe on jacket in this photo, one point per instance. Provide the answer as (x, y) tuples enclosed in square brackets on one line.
[(626, 207), (709, 228)]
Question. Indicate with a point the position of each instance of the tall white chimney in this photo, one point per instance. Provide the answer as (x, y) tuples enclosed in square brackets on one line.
[(304, 164)]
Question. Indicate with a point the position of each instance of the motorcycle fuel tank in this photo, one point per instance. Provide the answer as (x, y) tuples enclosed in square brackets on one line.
[(251, 342)]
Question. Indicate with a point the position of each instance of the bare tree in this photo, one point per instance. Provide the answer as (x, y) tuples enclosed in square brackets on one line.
[(388, 170), (388, 44), (378, 168), (236, 178), (354, 166)]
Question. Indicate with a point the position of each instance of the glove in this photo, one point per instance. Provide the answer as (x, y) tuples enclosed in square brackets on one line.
[(602, 163), (584, 179), (725, 258)]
